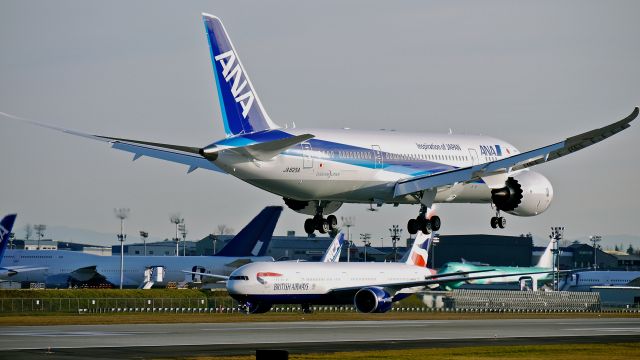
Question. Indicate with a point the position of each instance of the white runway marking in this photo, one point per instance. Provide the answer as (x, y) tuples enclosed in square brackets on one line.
[(635, 329), (70, 333), (316, 327)]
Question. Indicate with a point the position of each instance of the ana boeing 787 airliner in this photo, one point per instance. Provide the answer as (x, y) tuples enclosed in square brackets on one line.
[(315, 171)]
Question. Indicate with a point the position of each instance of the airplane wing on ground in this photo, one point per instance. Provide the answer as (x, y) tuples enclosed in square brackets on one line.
[(214, 277), (8, 271), (437, 279), (513, 163)]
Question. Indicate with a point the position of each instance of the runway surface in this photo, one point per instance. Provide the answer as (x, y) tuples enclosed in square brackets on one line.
[(139, 341)]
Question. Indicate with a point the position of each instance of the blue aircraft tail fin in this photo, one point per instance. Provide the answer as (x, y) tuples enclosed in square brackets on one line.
[(254, 239), (332, 254), (242, 111), (5, 231)]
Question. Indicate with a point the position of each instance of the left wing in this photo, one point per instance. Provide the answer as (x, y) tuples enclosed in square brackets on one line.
[(513, 163), (186, 155), (8, 271)]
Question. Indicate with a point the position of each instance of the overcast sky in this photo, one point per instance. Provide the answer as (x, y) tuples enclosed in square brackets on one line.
[(529, 73)]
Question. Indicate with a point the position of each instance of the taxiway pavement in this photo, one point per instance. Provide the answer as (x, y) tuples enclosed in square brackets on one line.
[(142, 340)]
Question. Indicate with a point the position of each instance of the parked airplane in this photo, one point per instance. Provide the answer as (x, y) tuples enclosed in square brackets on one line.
[(5, 232), (584, 280), (66, 268), (371, 287), (316, 171), (544, 268), (333, 252)]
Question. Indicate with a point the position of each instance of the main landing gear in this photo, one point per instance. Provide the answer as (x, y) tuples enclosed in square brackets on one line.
[(321, 224), (421, 223), (498, 221)]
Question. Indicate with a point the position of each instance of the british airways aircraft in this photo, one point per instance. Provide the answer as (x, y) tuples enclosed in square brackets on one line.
[(315, 171), (371, 287)]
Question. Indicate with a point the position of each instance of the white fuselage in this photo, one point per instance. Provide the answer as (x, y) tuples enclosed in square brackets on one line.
[(306, 282), (349, 166), (584, 280), (60, 263)]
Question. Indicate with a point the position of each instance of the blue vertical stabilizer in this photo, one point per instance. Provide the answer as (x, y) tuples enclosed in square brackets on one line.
[(242, 111), (5, 231), (254, 239)]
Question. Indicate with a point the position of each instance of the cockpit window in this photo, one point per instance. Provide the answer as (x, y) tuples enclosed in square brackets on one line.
[(239, 277)]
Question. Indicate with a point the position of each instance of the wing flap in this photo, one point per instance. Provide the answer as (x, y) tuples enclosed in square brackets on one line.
[(517, 162)]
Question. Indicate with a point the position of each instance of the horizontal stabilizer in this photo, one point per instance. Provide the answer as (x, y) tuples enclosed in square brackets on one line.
[(267, 150), (262, 151)]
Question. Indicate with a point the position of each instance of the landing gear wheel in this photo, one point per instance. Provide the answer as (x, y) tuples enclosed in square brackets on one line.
[(413, 226), (306, 308), (324, 227), (309, 226), (425, 226), (494, 222), (258, 308), (502, 222), (435, 222), (333, 222)]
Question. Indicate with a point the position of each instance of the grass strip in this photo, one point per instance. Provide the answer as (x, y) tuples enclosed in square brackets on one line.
[(609, 351)]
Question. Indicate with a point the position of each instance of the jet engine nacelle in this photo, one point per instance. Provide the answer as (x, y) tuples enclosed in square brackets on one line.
[(527, 193), (373, 300)]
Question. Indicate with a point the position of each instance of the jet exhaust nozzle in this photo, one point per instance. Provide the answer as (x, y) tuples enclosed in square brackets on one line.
[(210, 152)]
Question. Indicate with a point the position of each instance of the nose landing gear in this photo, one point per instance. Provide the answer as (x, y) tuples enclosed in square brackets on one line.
[(498, 221)]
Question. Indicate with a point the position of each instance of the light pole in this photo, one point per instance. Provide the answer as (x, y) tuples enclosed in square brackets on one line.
[(435, 239), (144, 235), (396, 232), (176, 220), (348, 221), (183, 231), (12, 236), (365, 239), (557, 233), (595, 239), (39, 228), (214, 238), (121, 213)]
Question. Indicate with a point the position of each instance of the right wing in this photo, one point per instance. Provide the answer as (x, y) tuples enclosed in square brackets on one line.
[(513, 163)]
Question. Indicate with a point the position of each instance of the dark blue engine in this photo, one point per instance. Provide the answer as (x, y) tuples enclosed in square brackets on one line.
[(373, 300)]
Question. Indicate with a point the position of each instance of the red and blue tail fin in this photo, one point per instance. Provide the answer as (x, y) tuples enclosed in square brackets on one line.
[(419, 253), (5, 231), (242, 111)]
